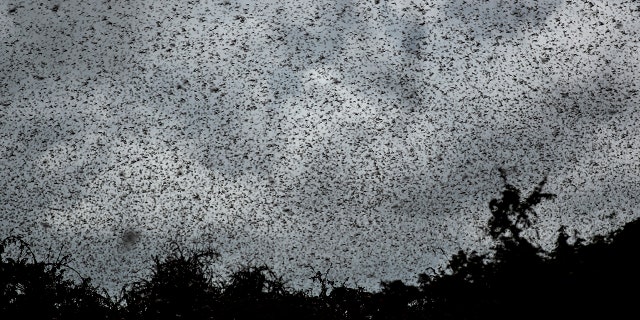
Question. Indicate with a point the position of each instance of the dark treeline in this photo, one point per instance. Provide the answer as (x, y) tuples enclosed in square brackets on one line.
[(517, 280)]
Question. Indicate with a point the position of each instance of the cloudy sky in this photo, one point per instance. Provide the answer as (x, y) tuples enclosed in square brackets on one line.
[(362, 135)]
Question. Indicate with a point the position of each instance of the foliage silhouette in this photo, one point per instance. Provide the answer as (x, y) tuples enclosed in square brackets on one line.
[(510, 215), (31, 289), (578, 278), (180, 287), (255, 292)]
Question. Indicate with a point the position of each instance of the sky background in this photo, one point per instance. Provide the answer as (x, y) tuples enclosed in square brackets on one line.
[(361, 135)]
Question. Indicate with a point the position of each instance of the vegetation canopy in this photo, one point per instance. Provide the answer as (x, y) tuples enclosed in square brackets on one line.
[(588, 279)]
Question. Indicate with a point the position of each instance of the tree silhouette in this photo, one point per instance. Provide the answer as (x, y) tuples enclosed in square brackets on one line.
[(511, 214), (494, 286), (32, 289), (577, 279), (179, 288)]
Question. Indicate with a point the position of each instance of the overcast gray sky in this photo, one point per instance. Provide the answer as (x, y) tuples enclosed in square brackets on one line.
[(362, 135)]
